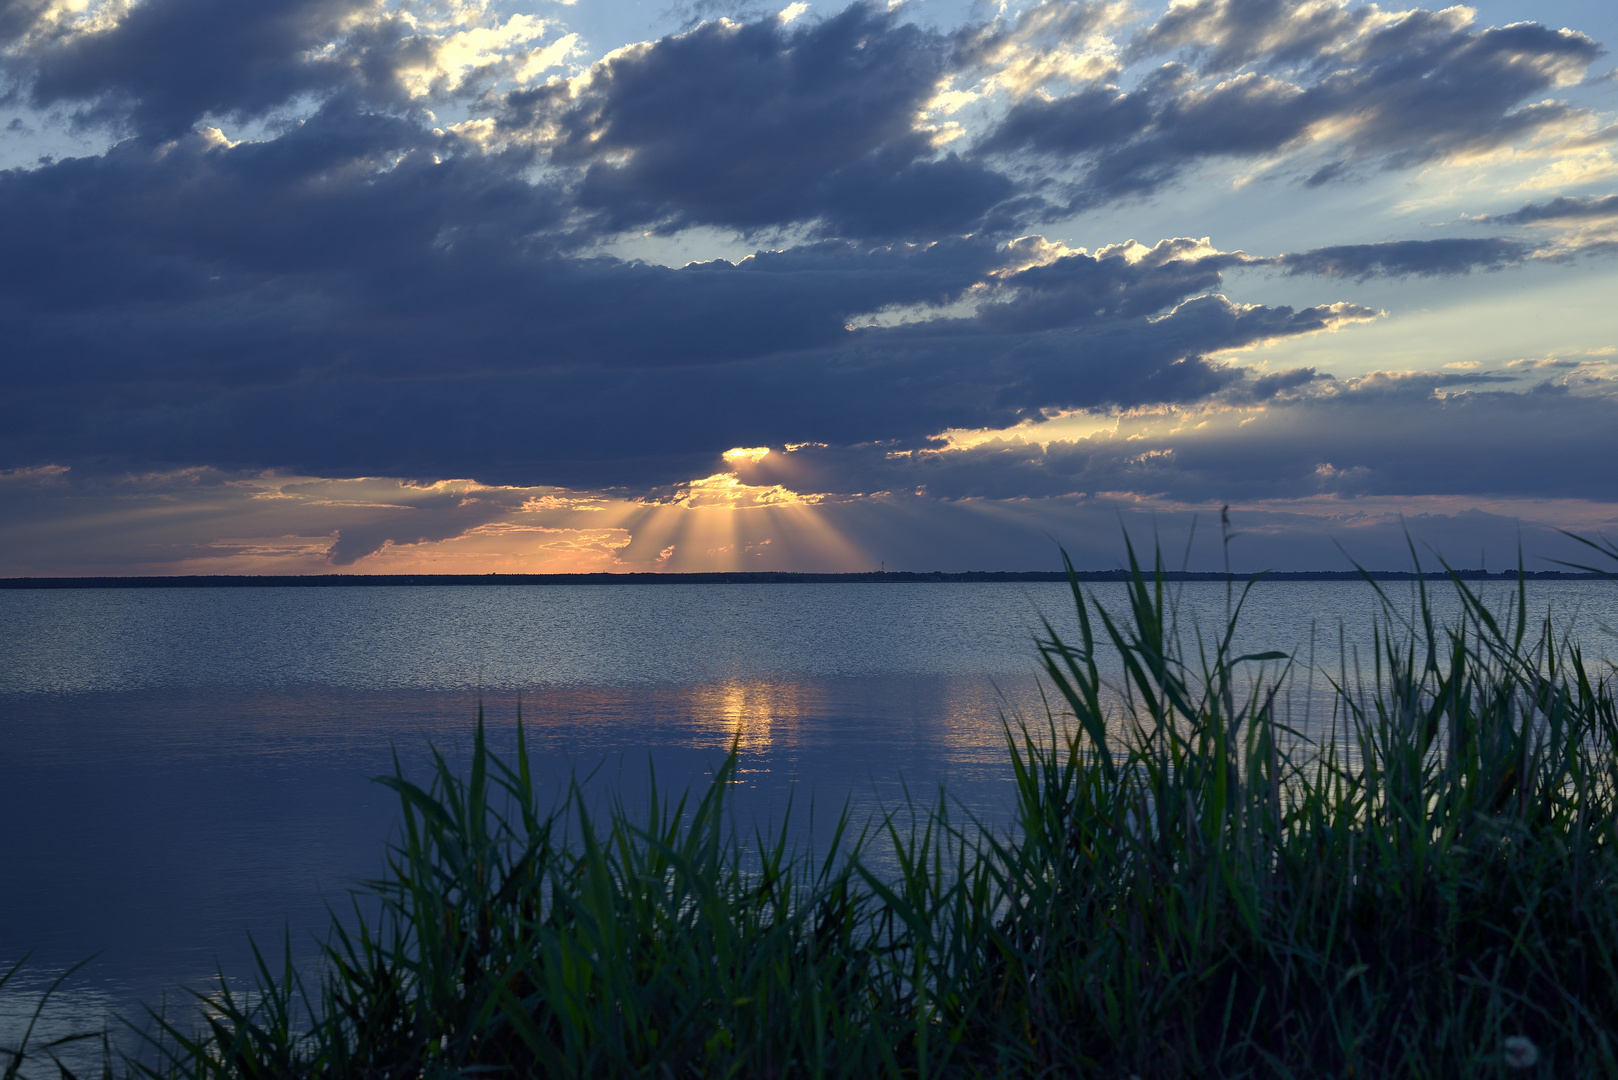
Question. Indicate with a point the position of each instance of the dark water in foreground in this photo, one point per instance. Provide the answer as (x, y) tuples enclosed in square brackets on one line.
[(182, 768)]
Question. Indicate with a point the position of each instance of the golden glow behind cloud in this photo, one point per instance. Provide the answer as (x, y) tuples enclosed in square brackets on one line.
[(199, 521)]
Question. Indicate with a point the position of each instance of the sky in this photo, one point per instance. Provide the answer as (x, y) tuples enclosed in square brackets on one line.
[(478, 286)]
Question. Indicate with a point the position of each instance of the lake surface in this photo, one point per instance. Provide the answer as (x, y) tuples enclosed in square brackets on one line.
[(181, 768)]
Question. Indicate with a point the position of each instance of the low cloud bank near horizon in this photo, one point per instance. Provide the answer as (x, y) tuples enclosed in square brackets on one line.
[(209, 522)]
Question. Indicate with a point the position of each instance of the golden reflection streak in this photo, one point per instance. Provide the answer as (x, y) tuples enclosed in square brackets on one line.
[(780, 726), (754, 715)]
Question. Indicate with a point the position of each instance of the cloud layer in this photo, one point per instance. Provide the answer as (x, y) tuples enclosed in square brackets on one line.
[(407, 257)]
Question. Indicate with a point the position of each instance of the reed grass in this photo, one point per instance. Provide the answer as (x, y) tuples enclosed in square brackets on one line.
[(1422, 884)]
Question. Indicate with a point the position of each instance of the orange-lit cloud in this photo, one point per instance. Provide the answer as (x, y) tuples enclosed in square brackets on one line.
[(201, 521), (205, 522)]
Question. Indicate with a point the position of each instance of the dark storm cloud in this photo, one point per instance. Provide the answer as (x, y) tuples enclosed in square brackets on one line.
[(356, 242), (758, 124), (1078, 287), (761, 124), (770, 123), (361, 296), (163, 66), (1399, 92), (169, 62), (512, 415), (287, 304)]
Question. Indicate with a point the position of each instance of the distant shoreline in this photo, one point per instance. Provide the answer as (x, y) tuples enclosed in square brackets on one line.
[(895, 577)]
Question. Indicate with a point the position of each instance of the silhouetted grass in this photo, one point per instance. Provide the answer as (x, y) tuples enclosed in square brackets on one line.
[(1192, 887), (50, 1050)]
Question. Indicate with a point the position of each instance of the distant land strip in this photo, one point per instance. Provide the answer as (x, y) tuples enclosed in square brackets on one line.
[(894, 577)]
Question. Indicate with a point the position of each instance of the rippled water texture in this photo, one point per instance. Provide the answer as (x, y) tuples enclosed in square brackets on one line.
[(182, 767)]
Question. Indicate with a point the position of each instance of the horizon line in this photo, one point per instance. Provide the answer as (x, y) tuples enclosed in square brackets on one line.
[(755, 577)]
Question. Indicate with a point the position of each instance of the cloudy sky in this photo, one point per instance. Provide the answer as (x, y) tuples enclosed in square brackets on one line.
[(296, 286)]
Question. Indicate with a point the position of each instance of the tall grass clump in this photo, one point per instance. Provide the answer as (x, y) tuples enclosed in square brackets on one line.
[(28, 1055), (1200, 888), (1420, 884)]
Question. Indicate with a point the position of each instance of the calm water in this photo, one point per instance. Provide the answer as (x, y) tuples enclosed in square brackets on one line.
[(182, 768)]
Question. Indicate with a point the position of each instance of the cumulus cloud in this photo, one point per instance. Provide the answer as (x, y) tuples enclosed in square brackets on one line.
[(1349, 84), (758, 124), (158, 67), (1052, 43)]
